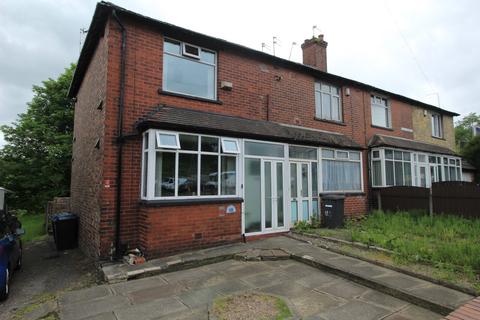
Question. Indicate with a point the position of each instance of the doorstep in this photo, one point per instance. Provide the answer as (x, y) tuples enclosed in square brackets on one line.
[(411, 289)]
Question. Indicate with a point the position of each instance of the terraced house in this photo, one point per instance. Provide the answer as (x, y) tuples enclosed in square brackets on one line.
[(183, 140)]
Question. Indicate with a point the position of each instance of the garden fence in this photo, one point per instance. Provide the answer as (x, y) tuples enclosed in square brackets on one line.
[(450, 197)]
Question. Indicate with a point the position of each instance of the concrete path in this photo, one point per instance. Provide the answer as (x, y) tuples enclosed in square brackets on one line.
[(309, 292)]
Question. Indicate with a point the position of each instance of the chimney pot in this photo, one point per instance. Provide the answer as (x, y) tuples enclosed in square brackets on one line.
[(315, 52)]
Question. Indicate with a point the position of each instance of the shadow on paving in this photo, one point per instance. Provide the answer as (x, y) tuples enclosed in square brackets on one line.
[(45, 274), (187, 294)]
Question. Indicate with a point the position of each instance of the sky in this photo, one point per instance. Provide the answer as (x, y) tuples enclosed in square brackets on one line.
[(424, 49)]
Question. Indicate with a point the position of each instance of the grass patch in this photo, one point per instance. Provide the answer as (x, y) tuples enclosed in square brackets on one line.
[(34, 225), (448, 243), (251, 306)]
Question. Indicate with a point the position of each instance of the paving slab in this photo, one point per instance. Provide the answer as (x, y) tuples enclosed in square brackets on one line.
[(151, 310), (89, 308), (383, 300), (155, 293), (414, 313), (401, 281), (199, 297), (130, 286), (312, 302), (443, 295), (264, 279), (85, 294), (343, 289), (357, 310)]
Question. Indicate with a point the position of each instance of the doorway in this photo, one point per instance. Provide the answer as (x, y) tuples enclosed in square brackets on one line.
[(304, 201)]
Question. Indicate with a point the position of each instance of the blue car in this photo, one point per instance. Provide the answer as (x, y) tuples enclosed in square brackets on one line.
[(10, 252)]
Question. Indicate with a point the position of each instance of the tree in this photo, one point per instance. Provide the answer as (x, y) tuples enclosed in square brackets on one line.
[(35, 161), (463, 129), (471, 152)]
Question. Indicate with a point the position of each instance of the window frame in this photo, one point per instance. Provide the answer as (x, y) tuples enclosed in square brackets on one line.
[(237, 143), (158, 133), (152, 151), (319, 102), (437, 119), (187, 56), (387, 107)]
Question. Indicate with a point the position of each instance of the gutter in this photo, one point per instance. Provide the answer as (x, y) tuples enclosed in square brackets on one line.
[(120, 138)]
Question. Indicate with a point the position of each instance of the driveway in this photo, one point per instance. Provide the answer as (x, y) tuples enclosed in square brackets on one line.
[(311, 294), (45, 273)]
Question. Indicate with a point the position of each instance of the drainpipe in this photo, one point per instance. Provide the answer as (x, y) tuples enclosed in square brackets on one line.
[(120, 138)]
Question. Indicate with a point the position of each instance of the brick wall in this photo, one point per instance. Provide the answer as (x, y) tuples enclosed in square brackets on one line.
[(87, 161), (422, 129)]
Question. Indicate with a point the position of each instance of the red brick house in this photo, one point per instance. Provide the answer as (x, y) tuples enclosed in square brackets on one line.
[(183, 140)]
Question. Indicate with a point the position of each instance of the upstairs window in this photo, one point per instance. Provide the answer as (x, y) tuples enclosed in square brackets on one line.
[(381, 116), (189, 69), (327, 102), (437, 131)]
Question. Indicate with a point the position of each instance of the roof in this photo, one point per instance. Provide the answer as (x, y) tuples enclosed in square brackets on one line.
[(174, 118), (467, 166), (104, 9), (380, 140)]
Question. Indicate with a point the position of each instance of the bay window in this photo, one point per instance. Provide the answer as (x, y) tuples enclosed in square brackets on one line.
[(341, 171), (189, 165)]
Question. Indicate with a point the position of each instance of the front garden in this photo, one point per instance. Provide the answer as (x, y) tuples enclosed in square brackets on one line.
[(443, 247)]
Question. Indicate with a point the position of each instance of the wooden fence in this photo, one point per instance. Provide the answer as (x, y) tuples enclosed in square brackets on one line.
[(451, 197)]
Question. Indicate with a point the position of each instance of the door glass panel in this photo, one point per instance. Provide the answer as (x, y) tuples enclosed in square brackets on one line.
[(314, 180), (304, 180), (252, 195), (294, 209), (279, 194), (305, 210), (293, 180), (268, 194), (315, 208), (423, 177)]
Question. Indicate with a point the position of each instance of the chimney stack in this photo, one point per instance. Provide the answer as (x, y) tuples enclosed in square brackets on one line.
[(315, 52)]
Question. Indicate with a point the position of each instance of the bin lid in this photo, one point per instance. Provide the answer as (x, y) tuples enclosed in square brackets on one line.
[(332, 196), (64, 216)]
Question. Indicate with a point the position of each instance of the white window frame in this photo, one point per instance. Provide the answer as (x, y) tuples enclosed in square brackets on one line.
[(387, 107), (166, 146), (319, 102), (415, 164), (185, 53), (194, 58), (152, 150), (335, 158), (237, 151), (436, 119)]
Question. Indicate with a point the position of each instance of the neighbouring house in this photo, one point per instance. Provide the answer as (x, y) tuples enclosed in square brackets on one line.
[(183, 140)]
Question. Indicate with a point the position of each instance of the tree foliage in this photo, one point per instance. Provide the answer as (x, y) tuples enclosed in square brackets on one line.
[(471, 152), (35, 161), (463, 129)]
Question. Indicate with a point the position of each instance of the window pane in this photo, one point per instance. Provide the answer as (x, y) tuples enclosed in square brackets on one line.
[(327, 153), (165, 174), (421, 158), (406, 156), (354, 155), (447, 173), (172, 47), (377, 173), (209, 175), (399, 181), (189, 77), (293, 180), (267, 168), (230, 145), (145, 141), (145, 173), (209, 144), (253, 201), (379, 116), (336, 109), (263, 149), (207, 56), (397, 155), (376, 154), (388, 154), (302, 152), (305, 180), (188, 142), (325, 88), (279, 194), (407, 167), (326, 106), (342, 154), (187, 174), (318, 104), (389, 173), (228, 177), (453, 174), (167, 140), (341, 175)]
